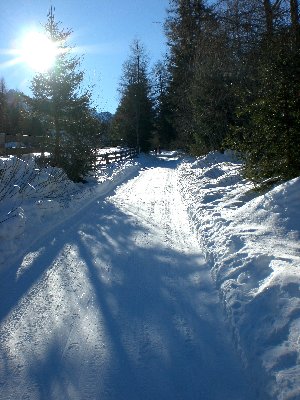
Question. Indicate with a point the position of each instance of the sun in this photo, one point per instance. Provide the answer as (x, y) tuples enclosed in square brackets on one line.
[(38, 51)]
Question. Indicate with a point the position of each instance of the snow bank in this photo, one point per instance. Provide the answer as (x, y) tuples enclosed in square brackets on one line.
[(252, 242), (33, 200)]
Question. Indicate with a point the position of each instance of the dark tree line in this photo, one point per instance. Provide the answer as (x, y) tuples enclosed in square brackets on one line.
[(15, 116), (230, 80), (235, 81)]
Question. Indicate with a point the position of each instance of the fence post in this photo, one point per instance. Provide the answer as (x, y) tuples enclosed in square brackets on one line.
[(2, 143), (19, 144)]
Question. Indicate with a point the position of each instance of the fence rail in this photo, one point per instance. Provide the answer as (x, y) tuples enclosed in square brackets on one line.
[(117, 155), (25, 144)]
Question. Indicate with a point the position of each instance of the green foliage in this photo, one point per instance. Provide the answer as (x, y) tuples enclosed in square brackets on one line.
[(202, 68), (3, 107), (164, 133), (234, 82), (183, 27), (211, 94), (63, 107), (79, 144), (268, 135), (15, 117), (133, 121)]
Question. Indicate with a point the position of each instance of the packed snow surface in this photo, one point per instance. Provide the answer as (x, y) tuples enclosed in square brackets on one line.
[(111, 289)]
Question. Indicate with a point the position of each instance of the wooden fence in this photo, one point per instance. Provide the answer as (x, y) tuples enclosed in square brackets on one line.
[(116, 155), (24, 144)]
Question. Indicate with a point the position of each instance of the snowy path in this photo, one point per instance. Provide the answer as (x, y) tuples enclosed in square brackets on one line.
[(118, 304)]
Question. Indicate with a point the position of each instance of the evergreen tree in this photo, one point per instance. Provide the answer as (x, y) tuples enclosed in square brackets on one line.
[(183, 26), (266, 130), (17, 115), (3, 107), (235, 81), (133, 121), (268, 135), (64, 107), (211, 92), (164, 133)]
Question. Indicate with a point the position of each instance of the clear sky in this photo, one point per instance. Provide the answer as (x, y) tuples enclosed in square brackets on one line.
[(102, 29)]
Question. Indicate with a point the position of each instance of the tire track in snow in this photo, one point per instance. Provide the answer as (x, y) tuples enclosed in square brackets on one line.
[(126, 310), (154, 200)]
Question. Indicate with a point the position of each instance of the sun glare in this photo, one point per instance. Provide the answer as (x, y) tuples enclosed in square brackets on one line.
[(38, 51)]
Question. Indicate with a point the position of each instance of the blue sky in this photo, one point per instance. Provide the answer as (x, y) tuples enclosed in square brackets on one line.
[(102, 29)]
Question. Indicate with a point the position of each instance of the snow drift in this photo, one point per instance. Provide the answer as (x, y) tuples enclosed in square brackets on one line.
[(33, 200), (251, 240)]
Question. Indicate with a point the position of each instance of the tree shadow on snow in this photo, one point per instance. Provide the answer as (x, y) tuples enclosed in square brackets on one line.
[(148, 327), (162, 323)]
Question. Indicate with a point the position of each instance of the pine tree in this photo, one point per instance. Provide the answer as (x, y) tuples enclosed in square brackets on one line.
[(211, 95), (133, 121), (164, 133), (16, 114), (64, 107), (182, 28), (3, 107), (266, 130)]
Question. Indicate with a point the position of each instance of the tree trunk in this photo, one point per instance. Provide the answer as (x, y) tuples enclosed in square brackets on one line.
[(57, 142), (294, 11), (269, 17)]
